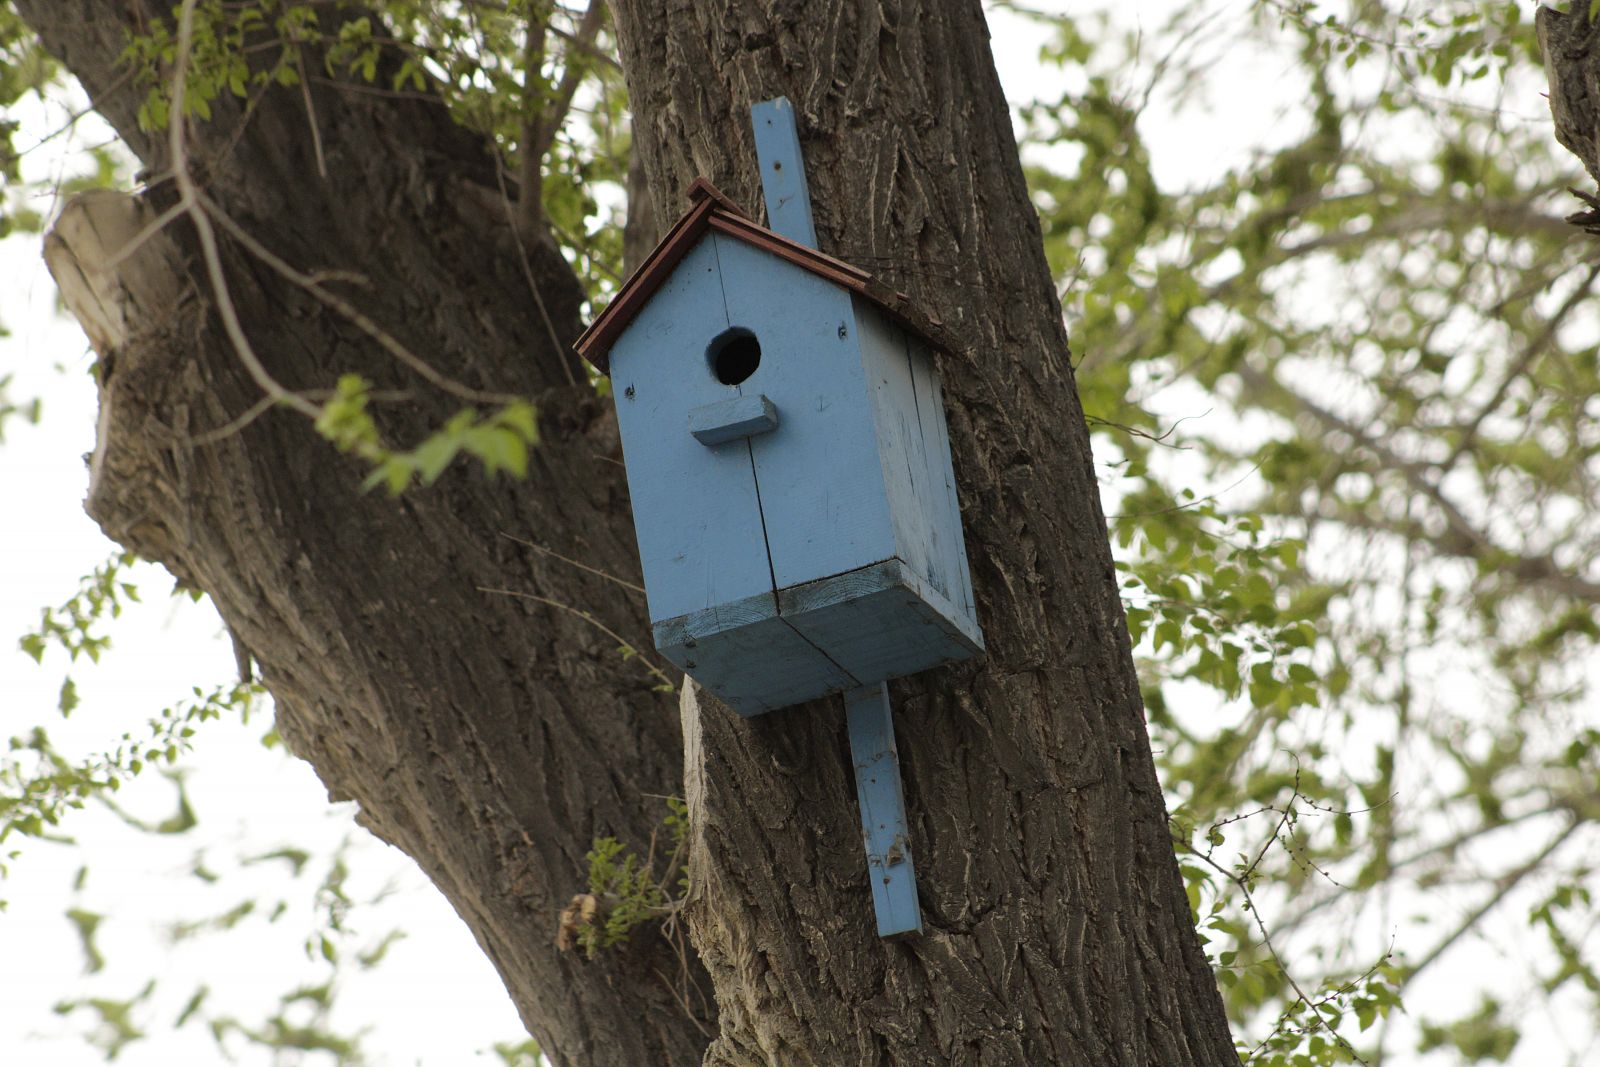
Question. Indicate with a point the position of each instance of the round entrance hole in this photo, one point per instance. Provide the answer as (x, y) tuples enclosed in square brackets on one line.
[(734, 355)]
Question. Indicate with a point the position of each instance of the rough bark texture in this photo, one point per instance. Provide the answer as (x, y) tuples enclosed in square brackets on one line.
[(492, 738), (1571, 47), (1570, 44)]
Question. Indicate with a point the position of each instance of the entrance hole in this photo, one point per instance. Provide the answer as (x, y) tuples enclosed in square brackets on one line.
[(734, 355)]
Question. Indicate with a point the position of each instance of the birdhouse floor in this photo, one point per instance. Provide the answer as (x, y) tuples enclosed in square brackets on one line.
[(864, 626)]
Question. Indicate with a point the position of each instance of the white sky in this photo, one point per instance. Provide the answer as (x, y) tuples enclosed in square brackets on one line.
[(436, 1000)]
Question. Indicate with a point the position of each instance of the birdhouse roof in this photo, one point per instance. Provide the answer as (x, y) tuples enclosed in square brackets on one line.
[(712, 210)]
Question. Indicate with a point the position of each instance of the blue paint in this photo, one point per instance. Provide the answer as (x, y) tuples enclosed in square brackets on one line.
[(750, 658), (945, 516), (819, 475), (695, 510), (722, 421), (914, 446), (829, 518), (879, 622), (850, 488), (783, 172), (884, 828)]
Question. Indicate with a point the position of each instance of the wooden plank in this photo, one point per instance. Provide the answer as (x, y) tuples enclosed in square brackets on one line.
[(695, 508), (696, 626), (596, 342), (885, 830), (818, 473), (819, 263), (728, 420), (880, 622), (714, 211), (751, 659), (945, 507), (902, 446), (783, 172)]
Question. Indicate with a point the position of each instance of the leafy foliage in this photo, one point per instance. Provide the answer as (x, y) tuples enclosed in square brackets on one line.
[(28, 410), (626, 890), (25, 70), (39, 786), (77, 625), (499, 441)]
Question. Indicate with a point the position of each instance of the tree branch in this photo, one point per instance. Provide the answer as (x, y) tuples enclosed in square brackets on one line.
[(1463, 538), (1502, 887), (571, 77)]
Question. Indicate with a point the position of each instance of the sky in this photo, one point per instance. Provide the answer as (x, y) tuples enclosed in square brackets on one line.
[(253, 800)]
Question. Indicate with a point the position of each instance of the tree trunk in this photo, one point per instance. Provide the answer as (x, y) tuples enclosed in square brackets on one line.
[(1570, 44), (493, 737)]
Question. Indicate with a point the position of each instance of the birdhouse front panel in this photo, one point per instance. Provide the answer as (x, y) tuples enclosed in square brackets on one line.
[(820, 479), (718, 556), (789, 470)]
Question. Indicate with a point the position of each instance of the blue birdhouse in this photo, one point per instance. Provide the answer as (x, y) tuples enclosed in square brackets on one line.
[(790, 471), (788, 462)]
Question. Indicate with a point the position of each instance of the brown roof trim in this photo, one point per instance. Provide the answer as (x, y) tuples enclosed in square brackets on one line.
[(701, 188), (713, 210)]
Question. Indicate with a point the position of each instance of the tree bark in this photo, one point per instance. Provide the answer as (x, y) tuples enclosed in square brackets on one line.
[(1570, 43), (493, 737)]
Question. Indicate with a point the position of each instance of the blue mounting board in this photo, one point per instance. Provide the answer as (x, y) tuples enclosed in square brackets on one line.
[(783, 172), (883, 812), (871, 721)]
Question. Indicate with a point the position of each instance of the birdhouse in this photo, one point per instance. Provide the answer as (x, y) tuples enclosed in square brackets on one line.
[(788, 461)]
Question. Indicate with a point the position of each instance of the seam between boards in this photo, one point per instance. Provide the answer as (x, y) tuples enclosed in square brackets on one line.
[(777, 603)]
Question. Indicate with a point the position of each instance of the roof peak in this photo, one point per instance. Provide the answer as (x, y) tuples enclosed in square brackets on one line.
[(714, 211), (702, 189)]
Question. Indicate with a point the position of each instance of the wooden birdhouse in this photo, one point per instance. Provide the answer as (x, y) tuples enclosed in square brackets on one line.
[(788, 462), (790, 471)]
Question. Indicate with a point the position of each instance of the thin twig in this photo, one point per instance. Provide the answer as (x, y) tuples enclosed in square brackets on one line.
[(1240, 882), (150, 229), (557, 349), (661, 675), (1160, 439), (72, 119), (1196, 502), (1536, 344), (572, 562), (311, 113), (683, 1002), (311, 283), (211, 437), (561, 102), (188, 195), (1503, 886), (1461, 537)]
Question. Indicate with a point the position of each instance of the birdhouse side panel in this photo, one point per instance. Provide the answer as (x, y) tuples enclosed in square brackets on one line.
[(818, 473), (913, 443), (695, 507), (950, 545)]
